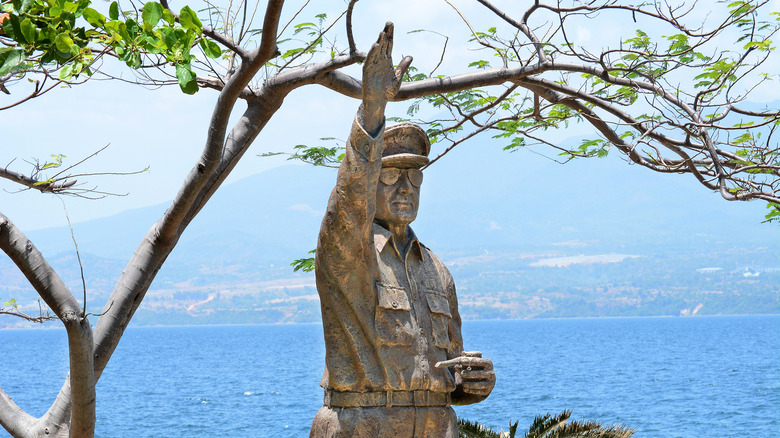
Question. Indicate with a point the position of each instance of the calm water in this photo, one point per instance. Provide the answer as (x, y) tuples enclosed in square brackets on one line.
[(667, 377)]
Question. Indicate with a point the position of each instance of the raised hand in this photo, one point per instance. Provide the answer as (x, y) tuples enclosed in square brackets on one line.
[(380, 80)]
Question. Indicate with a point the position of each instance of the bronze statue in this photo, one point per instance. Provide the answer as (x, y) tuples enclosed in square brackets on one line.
[(394, 351)]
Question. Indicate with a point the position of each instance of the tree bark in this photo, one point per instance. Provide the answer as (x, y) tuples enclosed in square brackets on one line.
[(57, 296)]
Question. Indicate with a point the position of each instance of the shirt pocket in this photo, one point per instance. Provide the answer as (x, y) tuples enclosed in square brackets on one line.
[(393, 316), (440, 318)]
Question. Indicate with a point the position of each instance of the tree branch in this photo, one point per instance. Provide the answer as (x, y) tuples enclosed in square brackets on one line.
[(521, 26), (351, 87), (13, 418), (32, 183), (222, 39), (57, 296), (268, 48), (351, 38)]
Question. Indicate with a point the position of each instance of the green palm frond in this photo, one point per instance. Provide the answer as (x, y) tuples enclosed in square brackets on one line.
[(544, 424), (472, 429), (591, 430), (548, 426)]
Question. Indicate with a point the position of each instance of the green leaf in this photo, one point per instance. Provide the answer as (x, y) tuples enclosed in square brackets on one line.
[(132, 28), (774, 213), (63, 42), (304, 264), (11, 303), (186, 79), (480, 64), (28, 30), (81, 5), (94, 17), (152, 44), (134, 60), (168, 16), (69, 6), (169, 37), (210, 48), (26, 5), (292, 52), (151, 14), (11, 27), (66, 73), (113, 11), (189, 20)]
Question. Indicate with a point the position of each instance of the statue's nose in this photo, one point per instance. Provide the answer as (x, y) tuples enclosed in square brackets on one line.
[(404, 185)]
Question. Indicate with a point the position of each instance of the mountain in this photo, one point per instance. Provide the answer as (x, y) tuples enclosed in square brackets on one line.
[(481, 210)]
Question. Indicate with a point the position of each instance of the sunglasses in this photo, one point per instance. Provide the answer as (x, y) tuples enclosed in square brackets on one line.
[(389, 176)]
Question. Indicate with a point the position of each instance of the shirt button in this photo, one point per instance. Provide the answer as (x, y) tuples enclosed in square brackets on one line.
[(394, 304)]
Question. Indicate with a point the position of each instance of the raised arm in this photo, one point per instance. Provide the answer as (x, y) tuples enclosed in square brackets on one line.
[(346, 229)]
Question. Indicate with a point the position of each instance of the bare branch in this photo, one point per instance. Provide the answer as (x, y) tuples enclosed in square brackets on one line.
[(14, 310), (268, 48), (521, 26), (311, 44), (42, 186), (218, 37), (39, 91), (295, 15), (351, 38), (62, 182)]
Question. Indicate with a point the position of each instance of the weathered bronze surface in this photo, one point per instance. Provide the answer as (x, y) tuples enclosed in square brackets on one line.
[(389, 308)]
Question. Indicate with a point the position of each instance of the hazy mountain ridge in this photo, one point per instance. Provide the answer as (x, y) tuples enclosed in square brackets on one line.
[(489, 223)]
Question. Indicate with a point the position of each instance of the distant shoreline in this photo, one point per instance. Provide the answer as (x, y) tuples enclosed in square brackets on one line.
[(56, 326)]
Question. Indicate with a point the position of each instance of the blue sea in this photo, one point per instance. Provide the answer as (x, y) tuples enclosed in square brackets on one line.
[(666, 377)]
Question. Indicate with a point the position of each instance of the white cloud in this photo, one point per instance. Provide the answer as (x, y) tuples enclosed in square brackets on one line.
[(305, 208), (583, 34)]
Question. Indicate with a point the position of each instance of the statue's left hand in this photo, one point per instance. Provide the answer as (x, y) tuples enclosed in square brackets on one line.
[(474, 374), (478, 375)]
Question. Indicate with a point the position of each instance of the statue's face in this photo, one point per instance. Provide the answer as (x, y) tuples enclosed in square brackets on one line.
[(398, 195)]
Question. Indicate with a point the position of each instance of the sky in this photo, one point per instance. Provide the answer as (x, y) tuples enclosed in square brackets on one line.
[(163, 129)]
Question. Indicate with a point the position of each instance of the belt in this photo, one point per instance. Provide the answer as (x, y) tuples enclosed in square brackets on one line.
[(388, 399)]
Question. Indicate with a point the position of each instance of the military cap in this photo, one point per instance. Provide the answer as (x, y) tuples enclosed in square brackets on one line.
[(406, 146)]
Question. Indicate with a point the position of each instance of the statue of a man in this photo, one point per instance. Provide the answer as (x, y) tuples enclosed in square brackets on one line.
[(389, 309)]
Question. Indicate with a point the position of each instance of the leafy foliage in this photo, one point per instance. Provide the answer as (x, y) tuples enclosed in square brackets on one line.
[(471, 429), (70, 36), (13, 308), (774, 212), (11, 303), (305, 264), (325, 156), (548, 426), (667, 97)]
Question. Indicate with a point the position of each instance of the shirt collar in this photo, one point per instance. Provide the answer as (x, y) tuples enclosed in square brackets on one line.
[(383, 236)]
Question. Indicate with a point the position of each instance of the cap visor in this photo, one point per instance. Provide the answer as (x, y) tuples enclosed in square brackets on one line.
[(405, 161)]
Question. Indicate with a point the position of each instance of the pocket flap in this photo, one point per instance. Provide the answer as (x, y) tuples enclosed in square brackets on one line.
[(438, 304), (392, 297)]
